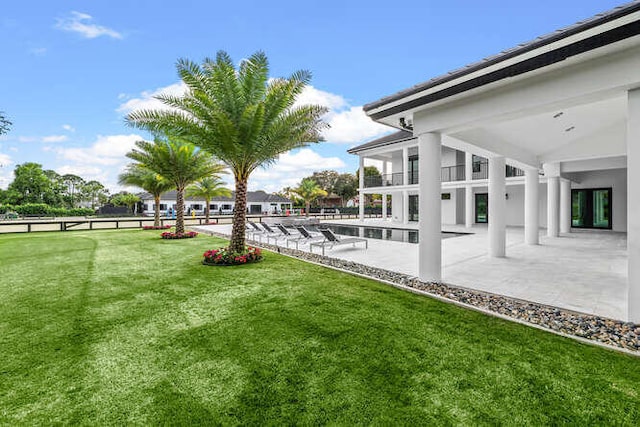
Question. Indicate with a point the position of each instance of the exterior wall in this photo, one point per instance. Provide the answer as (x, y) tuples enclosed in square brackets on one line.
[(449, 207), (449, 157), (396, 207), (460, 193), (617, 180), (396, 162)]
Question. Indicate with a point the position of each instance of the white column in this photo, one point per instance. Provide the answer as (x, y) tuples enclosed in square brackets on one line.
[(405, 207), (553, 206), (468, 191), (565, 205), (531, 208), (497, 207), (633, 204), (430, 214), (361, 195), (405, 166), (384, 206)]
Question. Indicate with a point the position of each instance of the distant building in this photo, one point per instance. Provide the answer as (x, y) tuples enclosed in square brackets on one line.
[(258, 202)]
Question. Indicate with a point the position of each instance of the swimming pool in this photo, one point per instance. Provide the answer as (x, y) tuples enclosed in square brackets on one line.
[(393, 234)]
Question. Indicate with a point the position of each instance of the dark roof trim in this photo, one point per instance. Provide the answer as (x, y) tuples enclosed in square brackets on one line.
[(557, 55), (393, 138)]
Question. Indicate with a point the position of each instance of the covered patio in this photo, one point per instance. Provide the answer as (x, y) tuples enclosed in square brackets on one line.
[(565, 106)]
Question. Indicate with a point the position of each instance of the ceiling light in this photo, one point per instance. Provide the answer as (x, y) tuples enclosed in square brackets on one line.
[(569, 129), (555, 116)]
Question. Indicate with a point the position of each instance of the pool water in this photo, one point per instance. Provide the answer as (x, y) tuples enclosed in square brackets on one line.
[(393, 234)]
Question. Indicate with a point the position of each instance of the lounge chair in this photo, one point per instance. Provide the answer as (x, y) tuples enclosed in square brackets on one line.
[(254, 230), (270, 232), (332, 240), (306, 236)]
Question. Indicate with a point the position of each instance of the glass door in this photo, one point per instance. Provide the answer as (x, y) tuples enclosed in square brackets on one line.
[(482, 208), (591, 208), (413, 208)]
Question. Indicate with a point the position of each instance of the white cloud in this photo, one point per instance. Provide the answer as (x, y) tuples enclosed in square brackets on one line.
[(81, 23), (68, 128), (6, 174), (27, 139), (106, 150), (54, 138), (147, 100), (38, 51), (290, 168)]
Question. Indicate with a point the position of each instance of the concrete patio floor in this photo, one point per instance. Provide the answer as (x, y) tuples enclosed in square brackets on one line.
[(584, 271)]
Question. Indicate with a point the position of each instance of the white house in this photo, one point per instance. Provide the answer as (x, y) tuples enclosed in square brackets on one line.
[(546, 134), (258, 202)]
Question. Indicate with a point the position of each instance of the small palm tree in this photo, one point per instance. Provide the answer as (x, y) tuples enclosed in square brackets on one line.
[(208, 188), (180, 163), (309, 190), (149, 181), (241, 116)]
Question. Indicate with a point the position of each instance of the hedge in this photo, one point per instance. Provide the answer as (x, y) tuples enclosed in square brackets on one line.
[(43, 209)]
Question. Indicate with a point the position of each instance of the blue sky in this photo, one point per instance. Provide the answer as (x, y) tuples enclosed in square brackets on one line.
[(71, 70)]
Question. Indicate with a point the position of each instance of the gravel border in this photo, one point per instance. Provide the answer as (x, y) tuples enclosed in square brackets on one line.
[(586, 327)]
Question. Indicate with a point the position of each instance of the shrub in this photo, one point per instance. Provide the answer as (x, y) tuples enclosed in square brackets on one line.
[(33, 209), (6, 208), (223, 256), (171, 235), (153, 227)]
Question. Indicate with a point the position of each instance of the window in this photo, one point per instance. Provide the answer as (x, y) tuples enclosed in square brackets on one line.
[(413, 169), (196, 207), (213, 207), (163, 206), (226, 207)]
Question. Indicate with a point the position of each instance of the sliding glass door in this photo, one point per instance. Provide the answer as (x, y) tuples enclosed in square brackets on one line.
[(482, 208), (591, 208)]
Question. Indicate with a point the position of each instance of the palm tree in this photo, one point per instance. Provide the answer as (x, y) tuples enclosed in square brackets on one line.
[(208, 188), (179, 162), (149, 181), (241, 116), (309, 190)]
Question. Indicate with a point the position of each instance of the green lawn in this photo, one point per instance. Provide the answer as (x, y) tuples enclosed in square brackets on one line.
[(115, 327)]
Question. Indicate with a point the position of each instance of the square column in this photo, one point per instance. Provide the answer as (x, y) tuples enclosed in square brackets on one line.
[(565, 205), (531, 216), (497, 207), (405, 166), (468, 191), (553, 206), (633, 204), (384, 206), (405, 207), (361, 193), (430, 212)]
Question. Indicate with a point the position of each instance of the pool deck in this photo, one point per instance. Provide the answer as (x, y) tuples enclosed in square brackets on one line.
[(584, 271)]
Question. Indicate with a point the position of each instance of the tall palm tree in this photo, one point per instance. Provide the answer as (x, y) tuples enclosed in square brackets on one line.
[(241, 116), (179, 162), (150, 181), (208, 188), (309, 190)]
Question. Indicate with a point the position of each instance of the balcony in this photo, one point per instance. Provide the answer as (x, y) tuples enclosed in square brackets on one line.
[(447, 174)]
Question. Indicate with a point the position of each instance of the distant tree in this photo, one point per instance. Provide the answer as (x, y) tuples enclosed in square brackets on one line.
[(325, 179), (125, 199), (5, 124), (73, 184), (30, 184), (240, 115), (208, 188), (288, 193), (179, 162), (309, 191), (149, 181), (95, 193), (346, 186)]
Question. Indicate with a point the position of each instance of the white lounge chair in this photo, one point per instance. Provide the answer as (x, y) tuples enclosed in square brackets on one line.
[(332, 240)]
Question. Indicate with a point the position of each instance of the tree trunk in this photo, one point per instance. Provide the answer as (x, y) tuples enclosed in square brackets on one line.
[(156, 214), (239, 217), (180, 210), (308, 206), (206, 210)]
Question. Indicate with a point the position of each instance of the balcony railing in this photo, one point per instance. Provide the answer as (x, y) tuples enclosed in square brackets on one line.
[(447, 174)]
